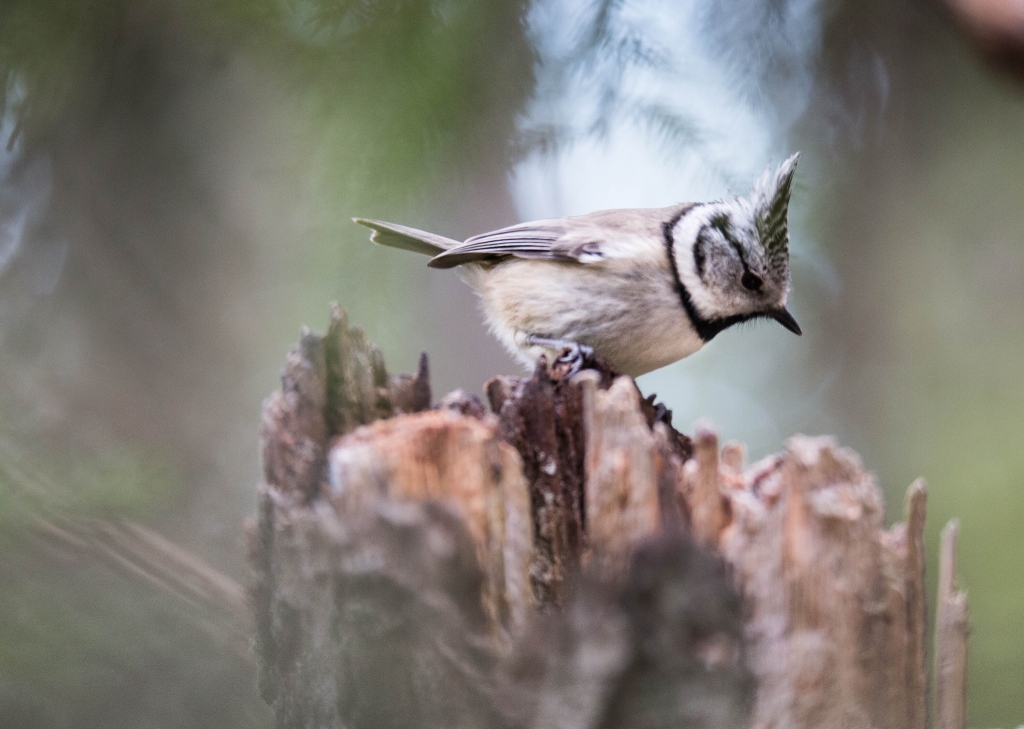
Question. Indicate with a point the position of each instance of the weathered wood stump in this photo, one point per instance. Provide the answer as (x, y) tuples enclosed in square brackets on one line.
[(567, 560)]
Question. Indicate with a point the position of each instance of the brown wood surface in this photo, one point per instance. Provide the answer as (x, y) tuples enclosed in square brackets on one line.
[(571, 560)]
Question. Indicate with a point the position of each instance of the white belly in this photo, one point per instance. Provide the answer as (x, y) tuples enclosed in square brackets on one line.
[(633, 318)]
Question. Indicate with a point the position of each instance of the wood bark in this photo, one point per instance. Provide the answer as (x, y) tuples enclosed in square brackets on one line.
[(568, 560), (834, 628)]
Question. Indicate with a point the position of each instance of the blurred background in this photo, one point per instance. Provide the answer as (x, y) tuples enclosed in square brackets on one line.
[(176, 183)]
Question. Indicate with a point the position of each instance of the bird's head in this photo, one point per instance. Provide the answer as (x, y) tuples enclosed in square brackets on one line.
[(732, 256)]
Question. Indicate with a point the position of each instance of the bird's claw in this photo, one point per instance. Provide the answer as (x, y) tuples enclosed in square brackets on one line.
[(576, 356), (656, 412), (662, 414)]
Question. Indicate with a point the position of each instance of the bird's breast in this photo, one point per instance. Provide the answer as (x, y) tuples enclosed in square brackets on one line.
[(628, 312)]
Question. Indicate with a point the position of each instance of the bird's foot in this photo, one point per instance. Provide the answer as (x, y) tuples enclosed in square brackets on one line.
[(573, 358)]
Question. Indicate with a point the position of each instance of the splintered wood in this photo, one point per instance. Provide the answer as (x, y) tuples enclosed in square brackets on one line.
[(570, 559), (835, 609), (835, 623), (621, 470), (458, 461), (331, 385), (951, 631)]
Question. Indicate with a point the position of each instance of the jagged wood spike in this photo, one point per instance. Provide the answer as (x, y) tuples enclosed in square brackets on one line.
[(951, 633), (917, 674)]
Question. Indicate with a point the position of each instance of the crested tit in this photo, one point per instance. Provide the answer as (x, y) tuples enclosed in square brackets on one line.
[(640, 287)]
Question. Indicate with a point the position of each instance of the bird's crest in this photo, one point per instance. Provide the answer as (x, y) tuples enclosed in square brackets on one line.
[(770, 198)]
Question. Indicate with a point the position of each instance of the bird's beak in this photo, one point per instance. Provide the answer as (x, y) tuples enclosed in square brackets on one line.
[(783, 317)]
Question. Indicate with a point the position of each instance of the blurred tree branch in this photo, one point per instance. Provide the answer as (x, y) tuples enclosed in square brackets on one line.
[(138, 553)]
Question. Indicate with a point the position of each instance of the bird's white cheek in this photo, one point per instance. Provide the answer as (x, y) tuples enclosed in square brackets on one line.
[(685, 235), (701, 297), (704, 301)]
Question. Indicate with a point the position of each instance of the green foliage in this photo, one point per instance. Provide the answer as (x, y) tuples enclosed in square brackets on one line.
[(118, 482), (398, 89)]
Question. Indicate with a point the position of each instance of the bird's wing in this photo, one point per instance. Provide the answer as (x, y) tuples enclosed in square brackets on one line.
[(541, 239), (582, 239)]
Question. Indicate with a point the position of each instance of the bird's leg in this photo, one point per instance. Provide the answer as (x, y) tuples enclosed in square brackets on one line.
[(574, 354)]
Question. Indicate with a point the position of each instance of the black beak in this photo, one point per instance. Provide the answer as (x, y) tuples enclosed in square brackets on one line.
[(783, 317)]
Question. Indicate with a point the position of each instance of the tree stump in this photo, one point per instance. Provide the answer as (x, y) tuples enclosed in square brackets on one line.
[(569, 559)]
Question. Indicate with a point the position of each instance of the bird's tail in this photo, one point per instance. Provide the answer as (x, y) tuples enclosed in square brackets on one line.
[(409, 239)]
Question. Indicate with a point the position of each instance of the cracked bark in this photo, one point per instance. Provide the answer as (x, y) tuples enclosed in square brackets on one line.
[(568, 559)]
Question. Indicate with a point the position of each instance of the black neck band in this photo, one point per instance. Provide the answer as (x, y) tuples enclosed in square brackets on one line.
[(706, 329)]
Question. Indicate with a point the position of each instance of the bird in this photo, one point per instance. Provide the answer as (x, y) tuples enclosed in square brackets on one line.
[(641, 288)]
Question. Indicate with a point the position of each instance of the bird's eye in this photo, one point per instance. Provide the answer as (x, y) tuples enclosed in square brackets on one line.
[(751, 281)]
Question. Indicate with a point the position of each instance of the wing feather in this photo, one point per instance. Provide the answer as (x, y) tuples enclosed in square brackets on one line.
[(543, 239), (583, 239), (406, 238)]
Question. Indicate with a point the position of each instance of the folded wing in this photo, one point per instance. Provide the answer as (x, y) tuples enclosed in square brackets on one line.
[(553, 240)]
